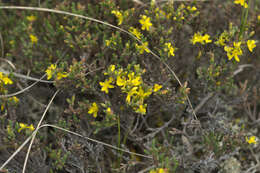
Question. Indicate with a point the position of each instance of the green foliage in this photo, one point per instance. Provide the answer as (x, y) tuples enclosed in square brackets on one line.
[(114, 87), (58, 159)]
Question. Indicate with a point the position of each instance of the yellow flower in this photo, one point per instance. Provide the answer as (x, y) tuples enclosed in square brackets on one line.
[(109, 111), (93, 109), (206, 38), (258, 17), (25, 126), (22, 126), (108, 42), (31, 18), (143, 48), (237, 50), (11, 42), (33, 38), (159, 170), (50, 71), (120, 81), (135, 32), (222, 39), (31, 127), (142, 109), (112, 68), (133, 80), (142, 95), (156, 87), (234, 51), (119, 16), (61, 27), (145, 22), (136, 81), (14, 99), (193, 8), (198, 38), (130, 94), (61, 75), (229, 52), (4, 79), (251, 140), (170, 49), (107, 84), (241, 2), (2, 107), (251, 45)]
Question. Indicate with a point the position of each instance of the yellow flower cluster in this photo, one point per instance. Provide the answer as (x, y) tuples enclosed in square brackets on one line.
[(51, 71), (93, 109), (14, 99), (161, 14), (119, 16), (131, 83), (106, 85), (109, 42), (183, 12), (251, 45), (61, 75), (159, 170), (198, 38), (242, 3), (145, 22), (31, 18), (170, 49), (136, 33), (122, 15), (234, 51), (113, 41), (25, 126), (192, 9), (223, 38), (33, 38), (143, 47), (251, 140), (4, 80)]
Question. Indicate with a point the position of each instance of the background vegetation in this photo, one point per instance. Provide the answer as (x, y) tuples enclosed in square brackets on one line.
[(140, 86)]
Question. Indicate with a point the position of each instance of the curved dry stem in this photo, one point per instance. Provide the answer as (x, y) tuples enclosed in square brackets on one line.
[(36, 130), (96, 141), (24, 76), (107, 24), (2, 45), (16, 152), (73, 133), (23, 90)]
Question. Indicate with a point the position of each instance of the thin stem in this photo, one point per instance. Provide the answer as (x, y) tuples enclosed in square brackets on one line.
[(36, 130), (124, 142), (118, 139), (244, 20)]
